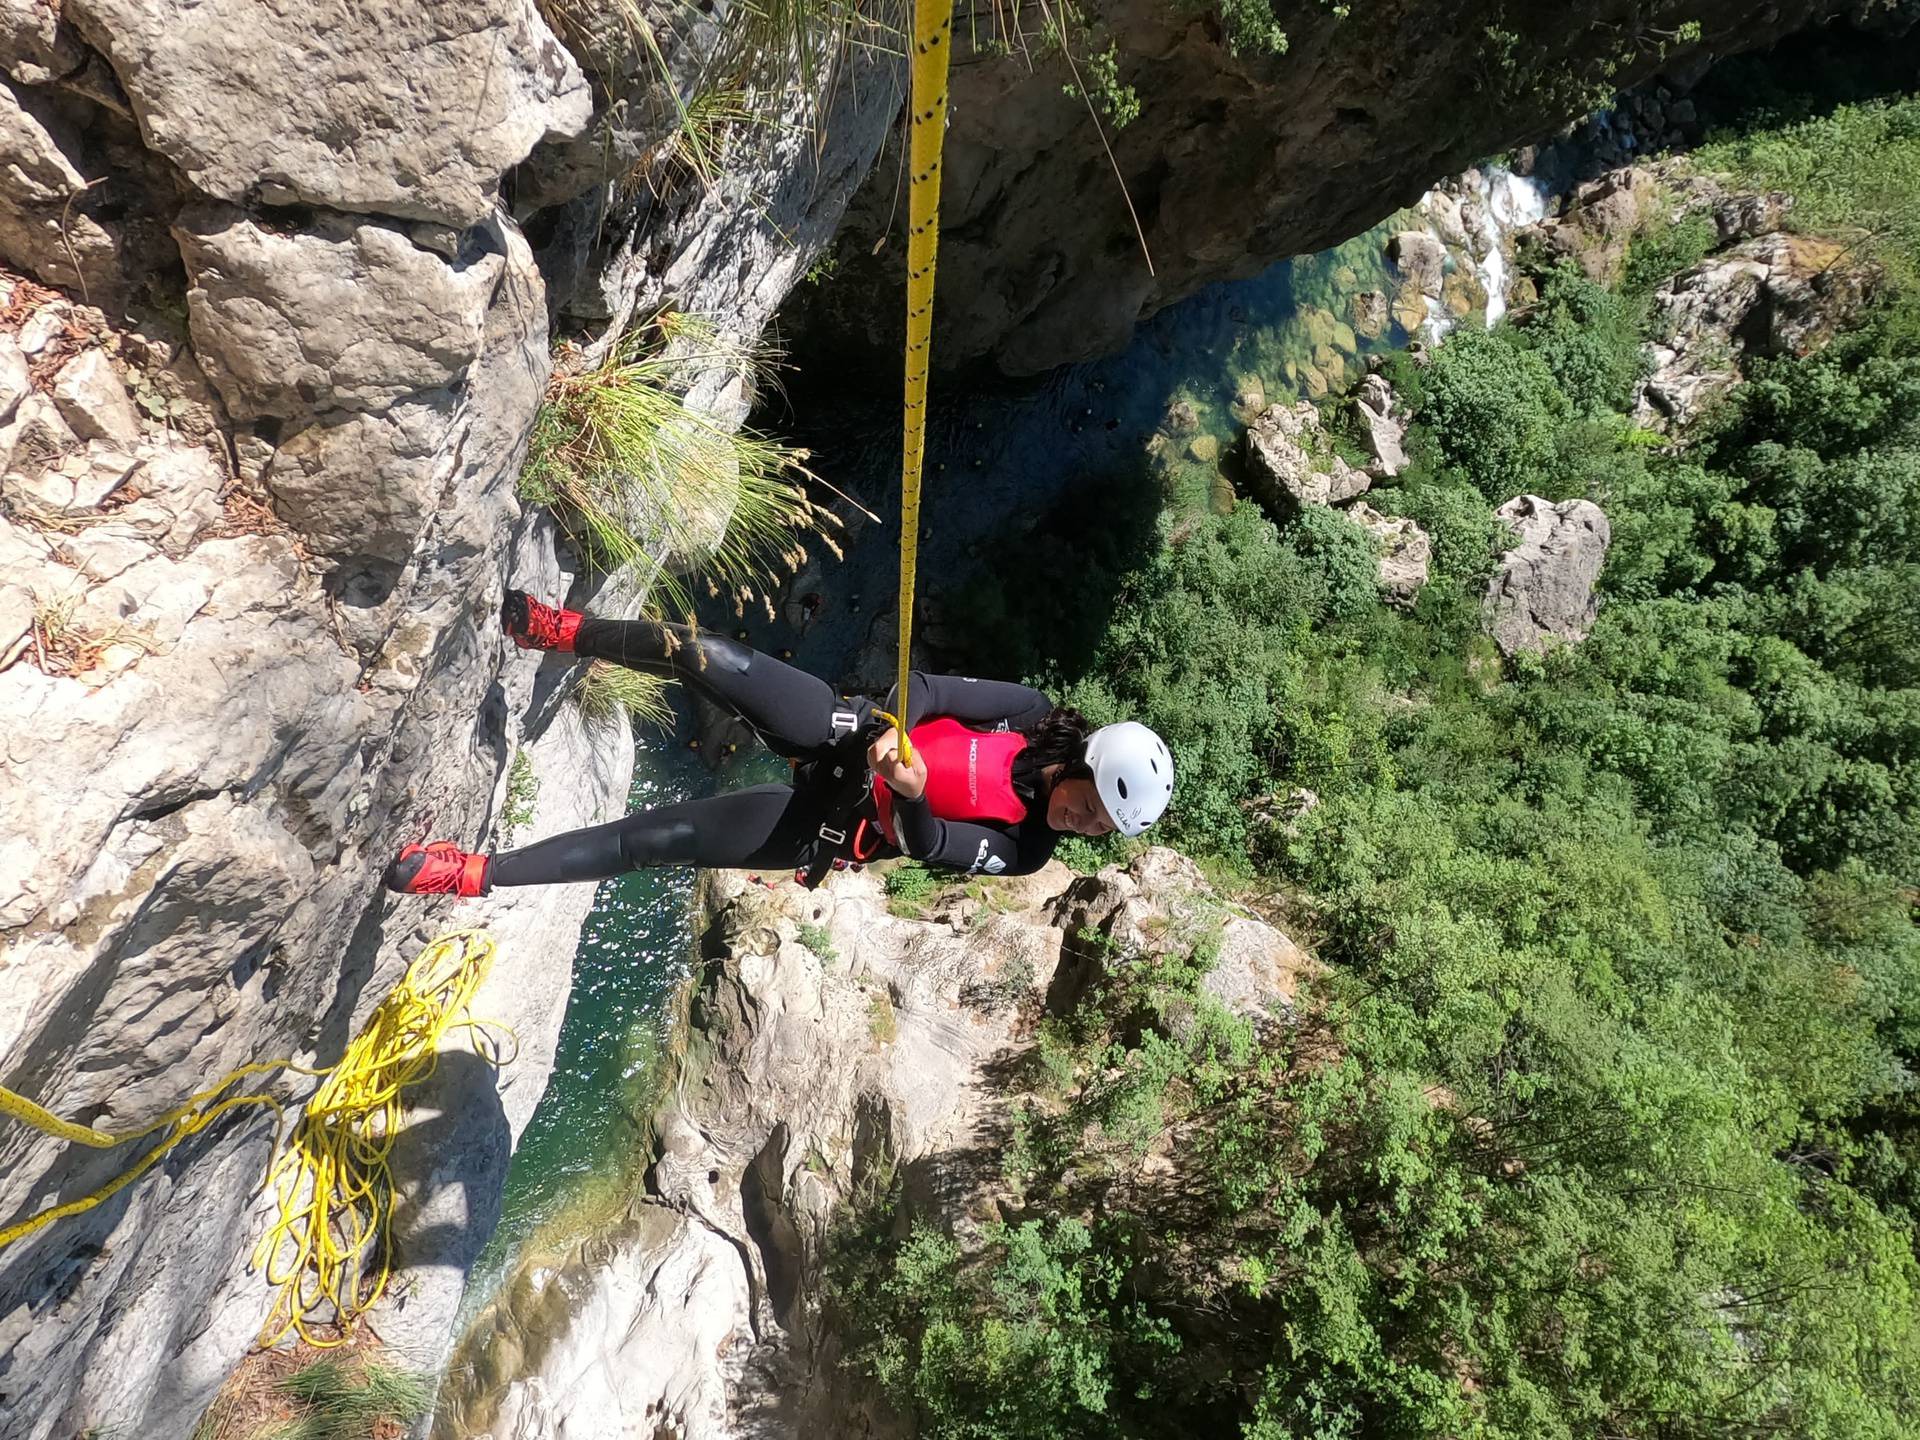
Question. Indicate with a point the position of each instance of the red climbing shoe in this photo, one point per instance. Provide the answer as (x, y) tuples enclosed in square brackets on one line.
[(441, 868), (534, 626)]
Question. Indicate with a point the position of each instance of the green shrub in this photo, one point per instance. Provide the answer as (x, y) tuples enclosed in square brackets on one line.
[(1666, 248), (817, 939), (1590, 340), (1854, 173), (909, 886), (1494, 408)]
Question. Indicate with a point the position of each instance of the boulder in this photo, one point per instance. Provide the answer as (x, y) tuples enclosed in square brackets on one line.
[(1386, 428), (1181, 418), (1814, 287), (1542, 594), (35, 46), (44, 227), (1370, 314), (1410, 308), (1249, 399), (1443, 212), (1462, 293), (93, 400), (417, 116), (1744, 217), (1602, 219), (1421, 258), (1779, 294), (1406, 554), (348, 315), (1291, 461)]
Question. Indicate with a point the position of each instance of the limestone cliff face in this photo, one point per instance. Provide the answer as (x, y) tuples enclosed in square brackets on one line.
[(1234, 161), (807, 1075), (271, 342)]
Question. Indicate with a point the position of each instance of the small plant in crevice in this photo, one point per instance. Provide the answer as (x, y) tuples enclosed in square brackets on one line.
[(881, 1023), (62, 641), (819, 941), (523, 793), (607, 691), (740, 68), (910, 886)]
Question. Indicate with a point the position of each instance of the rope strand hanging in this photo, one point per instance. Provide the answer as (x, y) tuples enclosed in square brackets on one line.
[(932, 44)]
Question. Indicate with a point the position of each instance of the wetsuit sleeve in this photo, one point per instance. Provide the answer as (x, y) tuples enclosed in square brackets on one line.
[(962, 845), (972, 702)]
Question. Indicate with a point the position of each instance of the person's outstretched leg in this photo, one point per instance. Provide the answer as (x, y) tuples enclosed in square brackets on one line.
[(789, 709), (763, 826)]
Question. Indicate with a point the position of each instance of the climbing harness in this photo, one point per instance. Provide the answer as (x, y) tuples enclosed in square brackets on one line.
[(332, 1181), (844, 783), (932, 29)]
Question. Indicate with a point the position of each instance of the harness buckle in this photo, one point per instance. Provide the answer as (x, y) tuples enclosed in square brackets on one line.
[(845, 722), (833, 836)]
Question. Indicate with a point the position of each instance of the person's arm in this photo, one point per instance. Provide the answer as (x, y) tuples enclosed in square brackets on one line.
[(963, 845), (971, 702), (953, 844)]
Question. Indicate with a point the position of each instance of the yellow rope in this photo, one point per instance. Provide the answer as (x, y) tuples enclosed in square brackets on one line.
[(332, 1182), (932, 40), (184, 1120)]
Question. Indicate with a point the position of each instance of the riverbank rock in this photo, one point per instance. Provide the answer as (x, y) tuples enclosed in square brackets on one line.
[(1778, 294), (1602, 219), (1370, 314), (831, 1044), (1406, 554), (1385, 424), (1543, 594), (1421, 258), (1291, 461)]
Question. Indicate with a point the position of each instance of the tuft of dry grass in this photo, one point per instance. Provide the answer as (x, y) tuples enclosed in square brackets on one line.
[(304, 1393), (63, 643), (606, 691), (637, 476)]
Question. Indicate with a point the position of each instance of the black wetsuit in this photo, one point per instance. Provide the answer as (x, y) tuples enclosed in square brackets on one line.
[(802, 719)]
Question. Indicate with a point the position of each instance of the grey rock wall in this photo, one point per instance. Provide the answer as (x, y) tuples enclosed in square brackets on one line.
[(1235, 161), (258, 444)]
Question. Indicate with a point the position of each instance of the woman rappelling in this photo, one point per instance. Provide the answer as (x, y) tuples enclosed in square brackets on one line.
[(998, 773)]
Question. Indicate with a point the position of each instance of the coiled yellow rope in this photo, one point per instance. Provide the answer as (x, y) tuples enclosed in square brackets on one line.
[(932, 41), (332, 1181)]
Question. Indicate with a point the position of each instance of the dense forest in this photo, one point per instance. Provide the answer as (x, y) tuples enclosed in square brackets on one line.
[(1603, 1121)]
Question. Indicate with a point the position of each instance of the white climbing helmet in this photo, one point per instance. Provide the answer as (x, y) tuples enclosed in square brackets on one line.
[(1133, 772)]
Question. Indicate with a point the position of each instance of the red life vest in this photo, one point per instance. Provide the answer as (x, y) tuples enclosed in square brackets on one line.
[(969, 774)]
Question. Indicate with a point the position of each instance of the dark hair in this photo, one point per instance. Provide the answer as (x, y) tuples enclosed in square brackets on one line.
[(1057, 738)]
